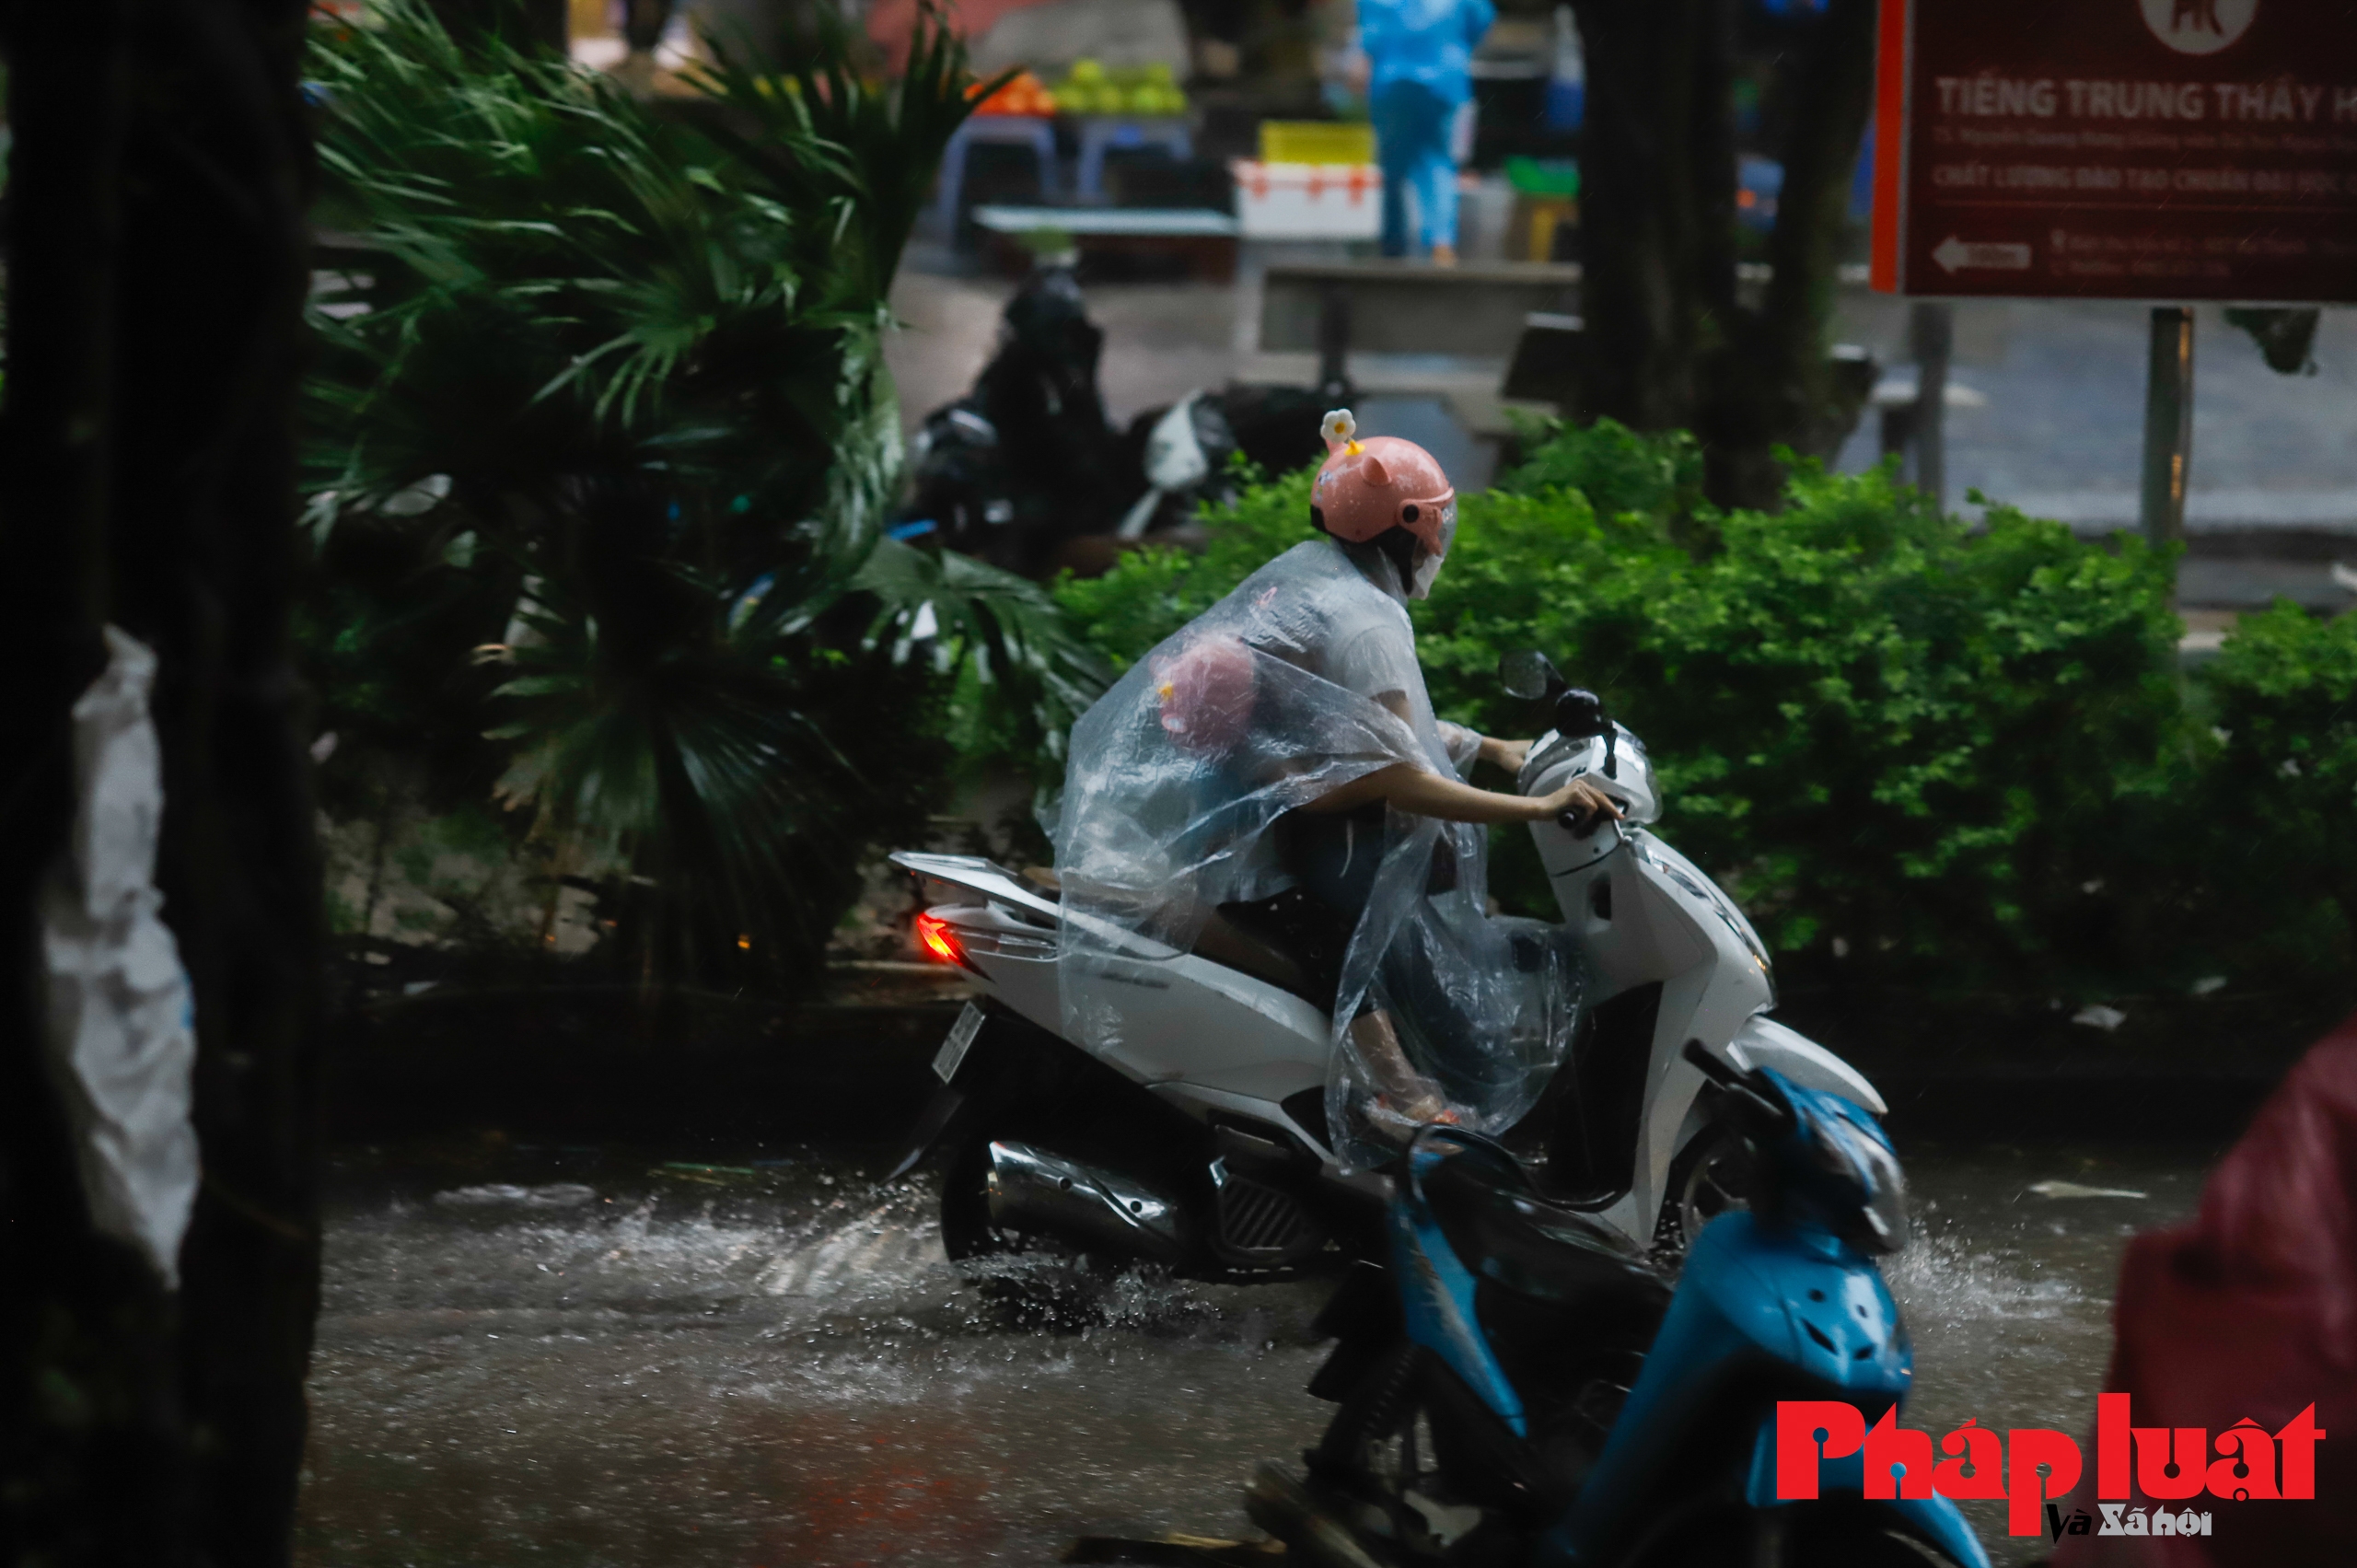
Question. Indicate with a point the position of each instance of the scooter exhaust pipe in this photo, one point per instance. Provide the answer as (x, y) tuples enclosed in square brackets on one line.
[(1283, 1507), (1033, 1190)]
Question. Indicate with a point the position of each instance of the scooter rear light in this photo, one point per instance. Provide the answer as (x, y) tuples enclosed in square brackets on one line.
[(936, 936)]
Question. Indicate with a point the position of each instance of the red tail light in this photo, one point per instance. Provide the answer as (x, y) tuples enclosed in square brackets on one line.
[(934, 936)]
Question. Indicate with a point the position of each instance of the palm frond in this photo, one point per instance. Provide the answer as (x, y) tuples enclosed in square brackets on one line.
[(1005, 627), (643, 354), (891, 136)]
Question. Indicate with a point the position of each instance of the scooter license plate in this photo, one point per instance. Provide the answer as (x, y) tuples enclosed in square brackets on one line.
[(961, 1036)]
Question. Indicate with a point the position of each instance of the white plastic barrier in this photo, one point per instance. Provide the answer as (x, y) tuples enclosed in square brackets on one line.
[(1308, 200)]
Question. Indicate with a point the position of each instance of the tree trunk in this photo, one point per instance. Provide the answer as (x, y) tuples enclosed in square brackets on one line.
[(156, 269), (1642, 168), (1669, 347), (1778, 387)]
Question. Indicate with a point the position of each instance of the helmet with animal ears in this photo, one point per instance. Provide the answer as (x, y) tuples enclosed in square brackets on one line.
[(1367, 488)]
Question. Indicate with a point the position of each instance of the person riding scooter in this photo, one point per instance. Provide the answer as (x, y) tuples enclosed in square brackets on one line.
[(1276, 766)]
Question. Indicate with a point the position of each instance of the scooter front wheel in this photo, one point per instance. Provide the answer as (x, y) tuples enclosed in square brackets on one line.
[(1711, 1176)]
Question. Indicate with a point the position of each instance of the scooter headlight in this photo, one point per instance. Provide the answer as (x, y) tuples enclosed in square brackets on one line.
[(1884, 1211), (1865, 1165)]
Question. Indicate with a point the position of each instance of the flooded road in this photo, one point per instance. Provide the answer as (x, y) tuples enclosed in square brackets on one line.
[(757, 1357)]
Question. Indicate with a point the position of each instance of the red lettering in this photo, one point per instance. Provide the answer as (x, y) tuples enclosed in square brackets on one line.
[(1799, 1422), (2026, 1449), (2298, 1440), (1891, 1449), (2166, 1464), (2111, 1448), (1983, 1451), (2156, 1454), (2248, 1471)]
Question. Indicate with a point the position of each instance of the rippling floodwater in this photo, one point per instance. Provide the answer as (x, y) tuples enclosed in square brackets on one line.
[(755, 1358)]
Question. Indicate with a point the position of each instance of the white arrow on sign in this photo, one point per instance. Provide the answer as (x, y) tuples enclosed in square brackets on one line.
[(1954, 254)]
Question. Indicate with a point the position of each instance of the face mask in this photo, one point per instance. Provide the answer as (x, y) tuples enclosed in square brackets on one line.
[(1419, 584)]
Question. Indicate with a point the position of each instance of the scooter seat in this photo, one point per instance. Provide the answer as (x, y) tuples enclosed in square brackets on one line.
[(1234, 943), (1504, 1231), (1225, 941)]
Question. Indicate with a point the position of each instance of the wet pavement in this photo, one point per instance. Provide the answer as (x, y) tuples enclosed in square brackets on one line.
[(2047, 407), (2047, 410), (753, 1357)]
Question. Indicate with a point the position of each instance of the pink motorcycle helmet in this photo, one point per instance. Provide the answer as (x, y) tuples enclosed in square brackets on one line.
[(1367, 488)]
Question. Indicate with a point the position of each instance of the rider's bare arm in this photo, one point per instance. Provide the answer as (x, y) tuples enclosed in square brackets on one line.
[(1509, 755), (1504, 754), (1427, 793)]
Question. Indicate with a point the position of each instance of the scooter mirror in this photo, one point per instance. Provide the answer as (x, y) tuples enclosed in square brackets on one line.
[(1579, 714), (1529, 675)]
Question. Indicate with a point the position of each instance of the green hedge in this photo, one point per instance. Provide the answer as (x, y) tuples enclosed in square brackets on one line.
[(1917, 751), (2280, 802)]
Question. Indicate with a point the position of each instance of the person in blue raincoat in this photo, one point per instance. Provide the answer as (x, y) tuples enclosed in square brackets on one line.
[(1419, 57)]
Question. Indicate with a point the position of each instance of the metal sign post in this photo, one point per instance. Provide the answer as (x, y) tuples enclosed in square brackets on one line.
[(2169, 424), (1931, 338)]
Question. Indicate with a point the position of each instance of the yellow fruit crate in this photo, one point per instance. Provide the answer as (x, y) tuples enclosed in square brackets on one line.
[(1316, 141)]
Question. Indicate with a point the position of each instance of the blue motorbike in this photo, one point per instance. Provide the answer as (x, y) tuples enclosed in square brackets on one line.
[(1520, 1387)]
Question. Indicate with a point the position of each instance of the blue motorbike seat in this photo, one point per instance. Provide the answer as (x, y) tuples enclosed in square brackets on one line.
[(1507, 1232), (1503, 1230)]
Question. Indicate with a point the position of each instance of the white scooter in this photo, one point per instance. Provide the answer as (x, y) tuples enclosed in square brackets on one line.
[(1201, 1140)]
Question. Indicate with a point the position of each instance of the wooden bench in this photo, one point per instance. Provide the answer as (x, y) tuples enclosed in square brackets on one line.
[(1475, 311)]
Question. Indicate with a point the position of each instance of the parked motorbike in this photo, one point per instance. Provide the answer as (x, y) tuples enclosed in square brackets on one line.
[(1200, 1141), (1027, 473), (1027, 459), (1520, 1387)]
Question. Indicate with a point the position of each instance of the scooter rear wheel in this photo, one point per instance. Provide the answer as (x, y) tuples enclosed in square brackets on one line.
[(1040, 1279), (968, 1233)]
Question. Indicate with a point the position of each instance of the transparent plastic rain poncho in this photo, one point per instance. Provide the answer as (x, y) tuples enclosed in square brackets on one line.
[(1268, 700)]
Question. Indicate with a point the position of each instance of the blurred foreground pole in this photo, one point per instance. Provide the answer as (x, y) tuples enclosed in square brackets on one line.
[(156, 268), (1931, 341), (2169, 424)]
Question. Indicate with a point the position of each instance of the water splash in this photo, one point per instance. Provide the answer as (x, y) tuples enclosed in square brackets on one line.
[(882, 1250), (1941, 1277)]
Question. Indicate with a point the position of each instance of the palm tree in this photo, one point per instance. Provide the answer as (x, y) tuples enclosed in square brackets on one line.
[(606, 403)]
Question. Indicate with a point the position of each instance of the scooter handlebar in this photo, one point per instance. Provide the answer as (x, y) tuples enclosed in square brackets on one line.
[(1583, 823)]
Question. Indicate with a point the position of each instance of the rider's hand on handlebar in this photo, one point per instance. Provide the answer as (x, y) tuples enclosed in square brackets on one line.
[(1580, 806)]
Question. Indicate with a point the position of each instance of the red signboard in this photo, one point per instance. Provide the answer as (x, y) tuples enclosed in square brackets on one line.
[(2141, 149)]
